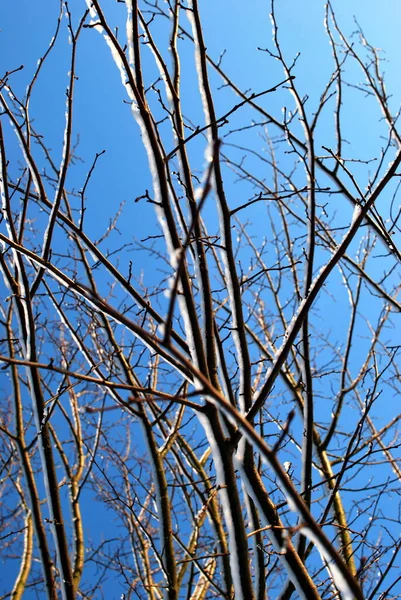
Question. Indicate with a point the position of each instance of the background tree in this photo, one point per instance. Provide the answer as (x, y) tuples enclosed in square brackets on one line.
[(200, 384)]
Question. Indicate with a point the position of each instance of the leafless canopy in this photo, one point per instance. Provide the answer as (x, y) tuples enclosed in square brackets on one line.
[(200, 381)]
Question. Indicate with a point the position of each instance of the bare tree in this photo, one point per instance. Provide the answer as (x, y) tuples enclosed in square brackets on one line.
[(200, 387)]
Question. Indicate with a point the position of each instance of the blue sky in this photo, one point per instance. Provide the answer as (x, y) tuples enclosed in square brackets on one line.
[(103, 121)]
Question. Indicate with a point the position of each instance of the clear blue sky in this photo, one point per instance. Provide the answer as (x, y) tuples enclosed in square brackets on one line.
[(102, 121)]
